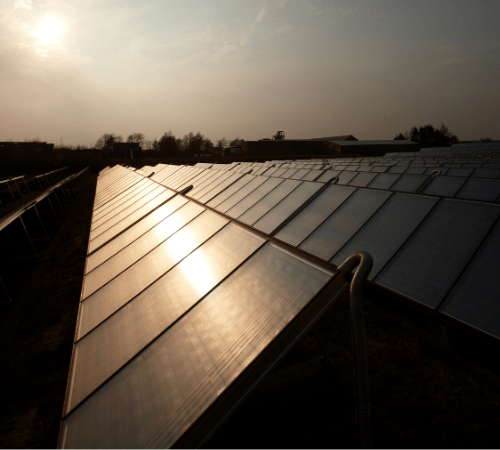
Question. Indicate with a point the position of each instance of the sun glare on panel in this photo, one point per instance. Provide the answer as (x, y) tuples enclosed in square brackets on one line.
[(49, 31)]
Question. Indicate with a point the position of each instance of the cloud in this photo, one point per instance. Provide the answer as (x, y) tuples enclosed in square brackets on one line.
[(245, 38), (26, 4)]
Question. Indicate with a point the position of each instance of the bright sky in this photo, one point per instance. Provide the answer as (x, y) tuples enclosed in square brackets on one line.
[(73, 70)]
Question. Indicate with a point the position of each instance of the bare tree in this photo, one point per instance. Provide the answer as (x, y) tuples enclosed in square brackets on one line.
[(106, 141), (138, 138)]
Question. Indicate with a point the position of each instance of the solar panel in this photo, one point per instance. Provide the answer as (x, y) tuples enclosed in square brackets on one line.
[(388, 229), (480, 189), (120, 199), (268, 202), (288, 173), (444, 186), (300, 173), (485, 173), (474, 299), (224, 195), (384, 180), (396, 169), (155, 309), (314, 214), (137, 196), (282, 211), (156, 398), (433, 257), (458, 172), (121, 289), (133, 233), (125, 210), (362, 179), (241, 193), (328, 175), (118, 188), (139, 248), (344, 222), (345, 176), (129, 220), (253, 197), (218, 188), (408, 183), (312, 175), (415, 170)]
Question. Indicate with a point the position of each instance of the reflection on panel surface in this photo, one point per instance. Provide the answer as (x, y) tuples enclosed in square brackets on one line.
[(128, 284), (102, 352), (133, 233), (431, 260), (124, 210), (119, 200), (475, 299), (132, 202), (153, 400), (335, 231), (130, 220), (388, 229), (314, 214), (138, 249)]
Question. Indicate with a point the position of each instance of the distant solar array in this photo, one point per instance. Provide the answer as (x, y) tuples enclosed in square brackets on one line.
[(29, 220), (198, 278)]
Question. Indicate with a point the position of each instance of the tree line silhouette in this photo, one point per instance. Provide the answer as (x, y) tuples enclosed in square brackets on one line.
[(428, 136), (191, 144)]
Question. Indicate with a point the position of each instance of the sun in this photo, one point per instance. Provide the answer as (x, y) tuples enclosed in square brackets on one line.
[(49, 30)]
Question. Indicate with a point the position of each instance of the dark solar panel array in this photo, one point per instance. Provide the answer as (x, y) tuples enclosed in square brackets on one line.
[(170, 275), (180, 300)]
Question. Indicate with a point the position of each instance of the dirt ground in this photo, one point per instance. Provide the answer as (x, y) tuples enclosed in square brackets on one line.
[(420, 397)]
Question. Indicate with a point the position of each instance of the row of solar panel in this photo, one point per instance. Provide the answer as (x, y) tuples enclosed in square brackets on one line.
[(266, 214), (174, 309), (447, 186), (455, 230), (400, 162)]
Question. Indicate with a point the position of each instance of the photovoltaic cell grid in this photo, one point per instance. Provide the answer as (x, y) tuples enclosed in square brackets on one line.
[(191, 284)]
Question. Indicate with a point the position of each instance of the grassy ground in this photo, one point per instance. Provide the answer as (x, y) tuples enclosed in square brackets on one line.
[(420, 397)]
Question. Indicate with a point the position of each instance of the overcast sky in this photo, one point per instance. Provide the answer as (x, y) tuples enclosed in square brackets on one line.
[(73, 70)]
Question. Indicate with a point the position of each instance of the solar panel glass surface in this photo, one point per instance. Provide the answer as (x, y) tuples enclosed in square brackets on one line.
[(155, 398), (344, 222), (314, 214), (121, 289), (474, 299), (388, 229), (155, 309), (430, 261)]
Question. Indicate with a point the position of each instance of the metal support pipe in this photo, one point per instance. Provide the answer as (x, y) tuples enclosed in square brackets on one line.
[(53, 210), (29, 239), (365, 262), (41, 223), (11, 193)]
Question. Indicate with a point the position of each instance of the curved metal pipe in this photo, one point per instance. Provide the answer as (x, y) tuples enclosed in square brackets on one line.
[(365, 263)]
